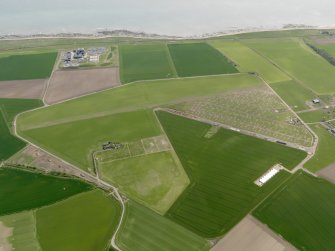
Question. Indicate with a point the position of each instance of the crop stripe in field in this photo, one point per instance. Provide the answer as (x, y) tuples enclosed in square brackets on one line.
[(172, 65), (50, 77)]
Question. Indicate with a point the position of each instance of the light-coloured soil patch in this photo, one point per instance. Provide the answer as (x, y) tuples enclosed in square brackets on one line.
[(328, 173), (330, 40), (251, 235), (5, 233), (35, 157), (73, 83), (30, 89)]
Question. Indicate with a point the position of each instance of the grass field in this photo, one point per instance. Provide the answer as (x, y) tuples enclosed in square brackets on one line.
[(23, 236), (318, 115), (145, 61), (222, 170), (294, 94), (330, 48), (11, 107), (145, 230), (323, 156), (63, 129), (197, 59), (155, 180), (9, 143), (302, 212), (297, 59), (83, 222), (249, 61), (255, 109), (20, 190), (26, 66)]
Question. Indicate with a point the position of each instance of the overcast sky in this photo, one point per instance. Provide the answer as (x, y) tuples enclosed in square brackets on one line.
[(172, 16)]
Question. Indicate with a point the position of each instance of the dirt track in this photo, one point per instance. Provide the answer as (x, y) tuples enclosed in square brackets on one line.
[(251, 235), (328, 173), (5, 233), (22, 88), (69, 84)]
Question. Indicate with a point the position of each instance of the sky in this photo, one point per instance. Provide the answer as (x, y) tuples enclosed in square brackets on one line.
[(173, 17)]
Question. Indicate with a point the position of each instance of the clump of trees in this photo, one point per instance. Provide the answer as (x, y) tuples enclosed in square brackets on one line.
[(322, 53)]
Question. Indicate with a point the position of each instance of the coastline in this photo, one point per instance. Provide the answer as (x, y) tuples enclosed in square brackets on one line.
[(142, 35)]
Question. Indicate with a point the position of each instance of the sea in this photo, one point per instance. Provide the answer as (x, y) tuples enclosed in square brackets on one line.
[(164, 17)]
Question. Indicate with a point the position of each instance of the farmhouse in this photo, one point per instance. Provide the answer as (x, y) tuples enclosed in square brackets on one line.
[(316, 101), (111, 145)]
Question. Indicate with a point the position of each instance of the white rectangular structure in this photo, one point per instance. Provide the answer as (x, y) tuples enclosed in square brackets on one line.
[(268, 175)]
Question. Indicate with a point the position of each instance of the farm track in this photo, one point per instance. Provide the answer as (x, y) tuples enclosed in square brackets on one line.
[(50, 77)]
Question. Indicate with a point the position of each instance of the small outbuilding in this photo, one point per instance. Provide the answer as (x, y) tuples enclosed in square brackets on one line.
[(316, 101)]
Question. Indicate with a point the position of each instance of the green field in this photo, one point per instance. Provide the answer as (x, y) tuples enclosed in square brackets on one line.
[(20, 190), (145, 61), (222, 169), (330, 48), (323, 156), (26, 66), (144, 230), (249, 61), (11, 107), (63, 129), (302, 212), (9, 143), (155, 180), (318, 115), (83, 222), (294, 94), (197, 59), (23, 226), (298, 60)]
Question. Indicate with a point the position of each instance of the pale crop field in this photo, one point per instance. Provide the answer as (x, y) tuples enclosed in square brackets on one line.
[(155, 180), (23, 236), (294, 94), (248, 60), (298, 60)]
